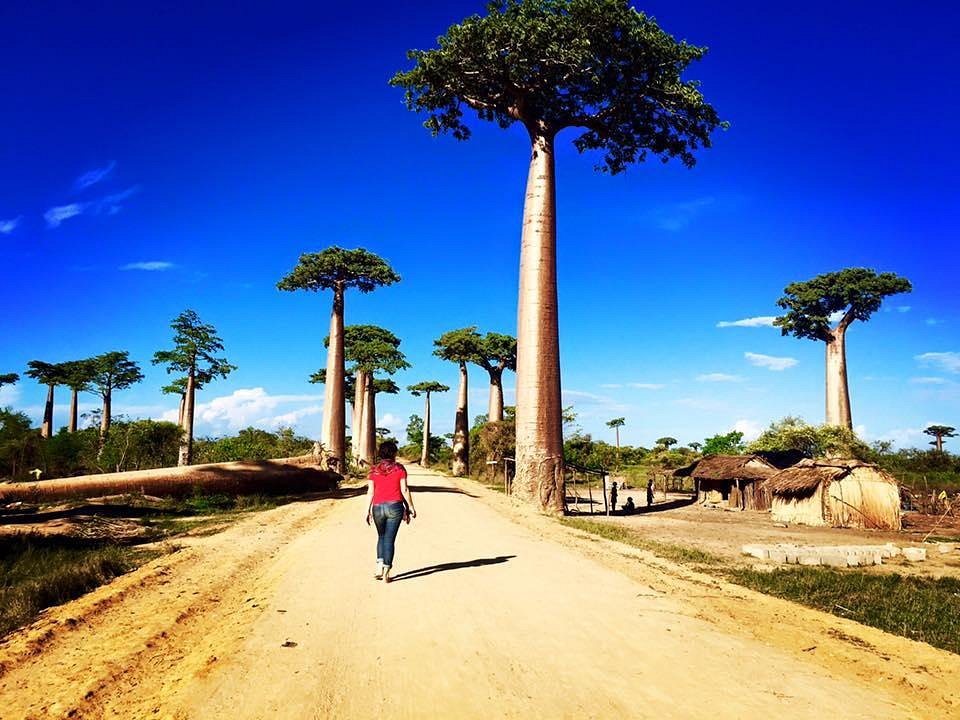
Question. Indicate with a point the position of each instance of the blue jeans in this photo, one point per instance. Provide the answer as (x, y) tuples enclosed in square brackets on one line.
[(387, 517)]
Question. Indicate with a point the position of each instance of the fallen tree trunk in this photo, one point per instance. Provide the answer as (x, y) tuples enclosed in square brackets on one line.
[(273, 477)]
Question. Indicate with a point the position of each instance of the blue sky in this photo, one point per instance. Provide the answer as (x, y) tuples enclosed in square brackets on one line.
[(155, 158)]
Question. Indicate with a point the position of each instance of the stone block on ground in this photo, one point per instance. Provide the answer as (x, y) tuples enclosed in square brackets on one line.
[(757, 551), (914, 554), (831, 560), (810, 559)]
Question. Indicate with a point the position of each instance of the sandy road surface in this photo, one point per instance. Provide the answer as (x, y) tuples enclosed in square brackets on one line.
[(494, 612)]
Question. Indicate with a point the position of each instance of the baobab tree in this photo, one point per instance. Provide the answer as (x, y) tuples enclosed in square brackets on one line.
[(195, 345), (460, 346), (9, 379), (596, 65), (77, 375), (369, 349), (51, 375), (616, 424), (850, 294), (939, 432), (666, 442), (425, 388), (337, 269), (496, 353), (109, 372)]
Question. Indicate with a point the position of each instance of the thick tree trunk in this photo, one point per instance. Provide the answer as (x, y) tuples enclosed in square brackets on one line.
[(539, 437), (359, 402), (183, 402), (105, 413), (46, 429), (495, 405), (333, 431), (838, 394), (72, 424), (425, 452), (618, 439), (939, 439), (185, 456), (369, 437), (460, 466)]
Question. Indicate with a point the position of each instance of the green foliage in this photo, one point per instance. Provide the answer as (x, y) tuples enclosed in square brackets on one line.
[(18, 444), (78, 375), (112, 371), (460, 346), (336, 266), (793, 433), (939, 432), (855, 292), (9, 379), (426, 387), (920, 608), (46, 373), (551, 64), (729, 444), (195, 345), (496, 353), (252, 444), (371, 348), (616, 423), (666, 442), (438, 449)]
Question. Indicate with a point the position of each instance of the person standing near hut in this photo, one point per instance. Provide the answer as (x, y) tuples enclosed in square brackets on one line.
[(613, 497), (650, 492), (389, 502)]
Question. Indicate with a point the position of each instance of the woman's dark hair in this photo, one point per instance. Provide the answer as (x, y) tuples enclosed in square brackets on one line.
[(388, 450)]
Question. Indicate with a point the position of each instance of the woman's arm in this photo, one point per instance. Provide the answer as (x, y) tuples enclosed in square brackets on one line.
[(407, 495), (369, 501)]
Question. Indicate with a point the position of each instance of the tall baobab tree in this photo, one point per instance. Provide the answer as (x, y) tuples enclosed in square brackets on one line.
[(852, 294), (112, 371), (939, 432), (496, 353), (195, 348), (597, 65), (425, 388), (370, 349), (9, 379), (616, 424), (51, 375), (460, 346), (337, 269), (77, 375)]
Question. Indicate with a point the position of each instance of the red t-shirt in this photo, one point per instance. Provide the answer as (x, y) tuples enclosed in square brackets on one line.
[(386, 477)]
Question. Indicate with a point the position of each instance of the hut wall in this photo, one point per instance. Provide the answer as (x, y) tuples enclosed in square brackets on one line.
[(863, 500), (755, 495), (806, 510), (714, 492)]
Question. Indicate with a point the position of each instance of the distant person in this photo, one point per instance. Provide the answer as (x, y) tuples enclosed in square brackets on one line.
[(389, 502), (613, 497), (650, 492), (628, 507)]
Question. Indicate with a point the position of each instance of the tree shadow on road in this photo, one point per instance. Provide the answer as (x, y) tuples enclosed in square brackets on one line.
[(439, 489), (442, 567)]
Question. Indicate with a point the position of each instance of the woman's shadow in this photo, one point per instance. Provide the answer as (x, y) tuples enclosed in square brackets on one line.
[(442, 567)]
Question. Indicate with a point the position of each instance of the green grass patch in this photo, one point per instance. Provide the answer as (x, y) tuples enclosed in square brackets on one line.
[(925, 609), (620, 533), (38, 572)]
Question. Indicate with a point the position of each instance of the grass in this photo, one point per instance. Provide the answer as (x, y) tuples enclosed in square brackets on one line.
[(924, 609), (919, 608), (37, 572)]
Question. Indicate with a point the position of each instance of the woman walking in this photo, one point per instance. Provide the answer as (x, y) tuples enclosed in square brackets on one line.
[(388, 503)]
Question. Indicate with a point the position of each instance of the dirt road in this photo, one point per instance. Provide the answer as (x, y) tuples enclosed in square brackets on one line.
[(494, 612)]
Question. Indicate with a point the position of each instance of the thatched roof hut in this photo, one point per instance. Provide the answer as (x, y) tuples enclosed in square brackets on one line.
[(737, 481), (836, 492)]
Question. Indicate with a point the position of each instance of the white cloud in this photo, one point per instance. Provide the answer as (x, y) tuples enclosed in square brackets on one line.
[(56, 215), (835, 317), (679, 215), (760, 321), (719, 377), (611, 386), (94, 176), (932, 321), (110, 204), (149, 265), (253, 406), (929, 381), (9, 395), (904, 437), (8, 226), (751, 429), (904, 308), (771, 362), (949, 361), (647, 386), (389, 420)]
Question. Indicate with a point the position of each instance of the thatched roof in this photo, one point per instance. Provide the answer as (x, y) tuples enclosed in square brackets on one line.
[(806, 475), (731, 467)]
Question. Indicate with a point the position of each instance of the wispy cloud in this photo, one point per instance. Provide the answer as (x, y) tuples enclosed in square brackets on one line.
[(94, 176), (932, 321), (677, 216), (611, 386), (770, 362), (647, 386), (761, 321), (929, 381), (149, 265), (751, 429), (904, 308), (56, 215), (719, 377), (949, 361), (253, 406), (110, 204), (8, 226)]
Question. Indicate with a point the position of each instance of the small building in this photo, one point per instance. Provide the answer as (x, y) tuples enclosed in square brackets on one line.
[(838, 493), (735, 481)]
